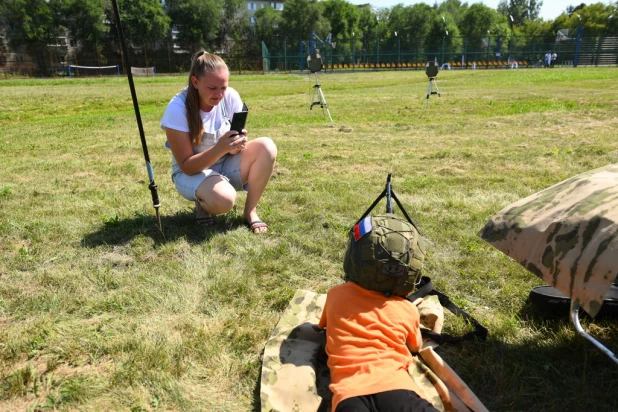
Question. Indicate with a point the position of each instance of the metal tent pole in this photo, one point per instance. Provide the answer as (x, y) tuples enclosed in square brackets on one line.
[(152, 186)]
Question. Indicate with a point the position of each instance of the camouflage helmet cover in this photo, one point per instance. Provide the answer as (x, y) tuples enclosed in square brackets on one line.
[(387, 256)]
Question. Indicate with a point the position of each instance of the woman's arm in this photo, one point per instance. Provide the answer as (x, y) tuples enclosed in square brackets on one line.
[(191, 163)]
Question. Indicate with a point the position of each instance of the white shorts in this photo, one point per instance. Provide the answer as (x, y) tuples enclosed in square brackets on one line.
[(229, 168)]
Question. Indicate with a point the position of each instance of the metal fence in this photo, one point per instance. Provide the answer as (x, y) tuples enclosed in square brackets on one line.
[(449, 52), (252, 56)]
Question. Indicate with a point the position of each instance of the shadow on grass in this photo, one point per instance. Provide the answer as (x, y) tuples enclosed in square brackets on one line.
[(181, 225), (568, 375), (256, 404), (553, 368)]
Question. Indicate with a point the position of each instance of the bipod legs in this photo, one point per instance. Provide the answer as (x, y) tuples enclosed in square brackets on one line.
[(389, 194), (430, 90)]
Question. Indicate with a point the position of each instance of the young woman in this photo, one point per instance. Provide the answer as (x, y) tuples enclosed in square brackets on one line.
[(210, 162)]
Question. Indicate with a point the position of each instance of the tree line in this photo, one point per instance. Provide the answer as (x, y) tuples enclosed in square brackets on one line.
[(222, 25), (418, 24)]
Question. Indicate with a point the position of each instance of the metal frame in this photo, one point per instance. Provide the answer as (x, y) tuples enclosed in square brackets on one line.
[(578, 327), (152, 186)]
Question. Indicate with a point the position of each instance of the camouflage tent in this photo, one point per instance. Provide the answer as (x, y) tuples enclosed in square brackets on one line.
[(295, 376), (567, 235)]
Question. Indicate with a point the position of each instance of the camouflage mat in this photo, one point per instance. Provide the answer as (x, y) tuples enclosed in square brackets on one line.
[(295, 376), (567, 235)]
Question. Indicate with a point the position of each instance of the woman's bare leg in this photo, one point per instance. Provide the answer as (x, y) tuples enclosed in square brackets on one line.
[(256, 167), (216, 195)]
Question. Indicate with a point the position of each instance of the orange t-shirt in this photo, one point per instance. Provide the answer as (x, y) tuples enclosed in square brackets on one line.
[(366, 338)]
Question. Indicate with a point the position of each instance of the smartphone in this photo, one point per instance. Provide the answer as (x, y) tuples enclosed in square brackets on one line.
[(238, 121)]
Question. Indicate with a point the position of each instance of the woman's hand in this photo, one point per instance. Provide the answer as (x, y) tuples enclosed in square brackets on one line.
[(238, 143), (227, 142)]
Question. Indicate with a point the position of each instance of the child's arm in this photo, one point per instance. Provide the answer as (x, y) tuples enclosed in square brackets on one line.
[(414, 340), (322, 323)]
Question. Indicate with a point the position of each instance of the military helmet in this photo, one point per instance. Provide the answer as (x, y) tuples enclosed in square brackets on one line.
[(385, 254)]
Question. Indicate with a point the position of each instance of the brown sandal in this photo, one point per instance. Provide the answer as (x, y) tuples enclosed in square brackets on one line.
[(202, 217), (256, 227)]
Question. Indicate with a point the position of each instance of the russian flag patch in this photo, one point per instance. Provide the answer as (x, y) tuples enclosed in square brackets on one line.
[(362, 228)]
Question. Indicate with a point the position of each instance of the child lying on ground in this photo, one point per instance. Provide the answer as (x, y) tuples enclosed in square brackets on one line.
[(370, 328)]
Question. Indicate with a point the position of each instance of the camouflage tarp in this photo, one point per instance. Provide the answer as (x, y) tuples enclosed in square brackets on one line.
[(566, 235), (295, 376)]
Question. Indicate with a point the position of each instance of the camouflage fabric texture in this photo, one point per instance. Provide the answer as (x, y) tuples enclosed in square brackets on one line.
[(295, 376), (387, 259), (567, 235)]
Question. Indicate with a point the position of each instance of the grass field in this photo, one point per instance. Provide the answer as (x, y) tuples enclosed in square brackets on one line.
[(99, 310)]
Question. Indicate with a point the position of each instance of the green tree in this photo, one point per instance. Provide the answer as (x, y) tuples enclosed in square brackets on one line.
[(367, 21), (367, 24), (267, 23), (534, 8), (84, 20), (444, 37), (482, 28), (382, 16), (542, 30), (612, 21), (412, 23), (594, 18), (453, 8), (301, 17), (514, 9), (476, 22), (197, 21), (342, 16), (143, 21), (520, 10), (33, 24), (235, 26), (572, 9)]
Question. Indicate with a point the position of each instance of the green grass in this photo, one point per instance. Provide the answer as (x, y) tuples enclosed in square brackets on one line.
[(101, 311)]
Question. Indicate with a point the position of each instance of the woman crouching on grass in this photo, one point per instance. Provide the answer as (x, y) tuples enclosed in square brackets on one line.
[(210, 162)]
